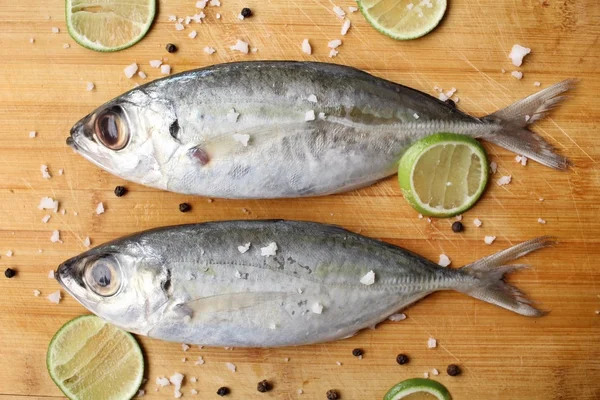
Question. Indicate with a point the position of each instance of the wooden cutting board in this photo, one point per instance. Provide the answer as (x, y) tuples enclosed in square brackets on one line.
[(503, 355)]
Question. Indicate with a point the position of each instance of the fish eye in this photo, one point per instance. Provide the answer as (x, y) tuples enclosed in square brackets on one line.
[(111, 128), (103, 276)]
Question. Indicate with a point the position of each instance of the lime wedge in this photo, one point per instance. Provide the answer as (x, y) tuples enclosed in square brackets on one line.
[(109, 25), (403, 19), (418, 389), (444, 174), (91, 359)]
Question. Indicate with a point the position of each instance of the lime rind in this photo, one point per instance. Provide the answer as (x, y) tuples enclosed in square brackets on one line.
[(409, 161), (415, 33), (134, 384), (83, 41), (418, 385)]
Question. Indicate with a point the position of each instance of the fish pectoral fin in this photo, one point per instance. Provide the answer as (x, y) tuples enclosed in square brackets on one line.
[(231, 301)]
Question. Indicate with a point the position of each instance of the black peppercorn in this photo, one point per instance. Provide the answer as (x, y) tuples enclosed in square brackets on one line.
[(333, 395), (457, 226), (184, 207), (453, 370), (223, 391), (120, 191), (357, 352), (451, 103), (246, 12), (264, 386), (402, 359), (9, 273), (171, 48)]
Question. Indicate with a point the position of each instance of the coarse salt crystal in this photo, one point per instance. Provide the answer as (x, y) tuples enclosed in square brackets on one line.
[(334, 43), (416, 116), (61, 171), (45, 173), (188, 19), (269, 250), (201, 3), (444, 260), (459, 217), (55, 237), (89, 86), (300, 391), (240, 46), (46, 218), (31, 40), (397, 317), (242, 138), (503, 70), (489, 239), (420, 216), (306, 47), (240, 17), (426, 375), (193, 391), (477, 222), (504, 180), (338, 363), (176, 379), (345, 27), (244, 248), (309, 115), (155, 63), (193, 379), (200, 361), (193, 34), (54, 297), (338, 11), (100, 208), (130, 70), (232, 116), (87, 242), (55, 29), (66, 46), (32, 134), (536, 83), (541, 221), (312, 98), (165, 69), (162, 381), (218, 16), (368, 278), (179, 26), (172, 18), (517, 74), (522, 160), (443, 97), (215, 3), (493, 167), (232, 367), (333, 53), (142, 75), (184, 347), (51, 274), (435, 372), (317, 308), (36, 293), (140, 393), (431, 343), (517, 53), (352, 9), (209, 50), (63, 211)]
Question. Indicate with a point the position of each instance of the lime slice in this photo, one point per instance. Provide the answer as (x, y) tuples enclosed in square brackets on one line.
[(403, 19), (109, 25), (92, 359), (444, 174), (418, 389)]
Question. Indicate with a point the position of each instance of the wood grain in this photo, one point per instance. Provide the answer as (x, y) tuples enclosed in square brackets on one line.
[(503, 356)]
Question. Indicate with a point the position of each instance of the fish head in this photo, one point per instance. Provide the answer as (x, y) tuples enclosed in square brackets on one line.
[(129, 137), (123, 283)]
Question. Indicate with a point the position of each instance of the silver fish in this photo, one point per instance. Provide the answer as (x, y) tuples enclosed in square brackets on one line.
[(270, 283), (241, 130)]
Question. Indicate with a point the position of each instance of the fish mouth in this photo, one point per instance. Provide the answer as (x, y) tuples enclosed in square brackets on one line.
[(70, 277)]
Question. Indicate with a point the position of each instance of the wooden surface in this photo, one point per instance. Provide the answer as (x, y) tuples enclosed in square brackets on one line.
[(503, 355)]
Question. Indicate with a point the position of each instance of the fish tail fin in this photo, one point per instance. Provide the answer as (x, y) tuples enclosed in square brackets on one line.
[(488, 274), (514, 119)]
